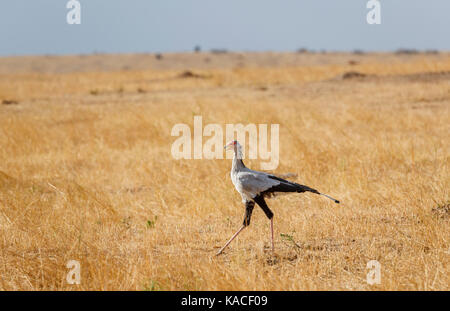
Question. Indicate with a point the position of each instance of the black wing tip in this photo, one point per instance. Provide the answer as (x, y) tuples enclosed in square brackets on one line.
[(337, 201)]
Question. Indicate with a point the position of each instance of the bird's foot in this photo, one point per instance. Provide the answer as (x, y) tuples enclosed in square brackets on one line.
[(220, 252)]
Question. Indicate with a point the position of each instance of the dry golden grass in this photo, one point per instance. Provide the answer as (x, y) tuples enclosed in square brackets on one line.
[(86, 174)]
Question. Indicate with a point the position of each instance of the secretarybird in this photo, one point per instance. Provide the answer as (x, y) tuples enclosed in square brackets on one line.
[(255, 186)]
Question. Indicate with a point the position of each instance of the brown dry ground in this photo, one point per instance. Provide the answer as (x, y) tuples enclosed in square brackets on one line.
[(86, 172)]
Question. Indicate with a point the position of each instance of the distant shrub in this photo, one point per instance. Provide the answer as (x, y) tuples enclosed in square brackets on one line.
[(358, 52), (406, 51), (219, 51), (9, 102)]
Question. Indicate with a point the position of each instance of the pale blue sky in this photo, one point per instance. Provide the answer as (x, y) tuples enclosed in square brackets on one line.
[(127, 26)]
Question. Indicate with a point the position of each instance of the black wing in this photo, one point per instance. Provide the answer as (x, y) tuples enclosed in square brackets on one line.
[(287, 186)]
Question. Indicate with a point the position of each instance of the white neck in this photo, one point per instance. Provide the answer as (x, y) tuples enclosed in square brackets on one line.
[(237, 160)]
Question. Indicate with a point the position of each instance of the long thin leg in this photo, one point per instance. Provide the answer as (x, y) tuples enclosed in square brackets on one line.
[(271, 229), (230, 240), (262, 203), (249, 205)]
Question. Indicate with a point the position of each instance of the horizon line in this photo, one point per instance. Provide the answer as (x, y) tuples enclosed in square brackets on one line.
[(230, 51)]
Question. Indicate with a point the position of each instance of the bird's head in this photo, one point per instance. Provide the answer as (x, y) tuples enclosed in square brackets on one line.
[(232, 145), (235, 146)]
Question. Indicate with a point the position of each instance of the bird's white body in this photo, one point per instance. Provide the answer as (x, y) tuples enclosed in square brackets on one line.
[(249, 183)]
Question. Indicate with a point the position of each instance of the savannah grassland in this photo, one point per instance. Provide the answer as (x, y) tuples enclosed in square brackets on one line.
[(86, 172)]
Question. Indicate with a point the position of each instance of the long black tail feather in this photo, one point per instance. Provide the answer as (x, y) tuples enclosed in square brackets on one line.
[(289, 186)]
